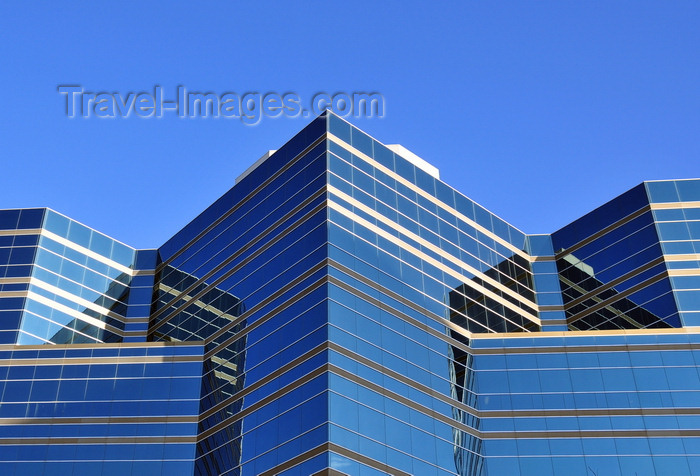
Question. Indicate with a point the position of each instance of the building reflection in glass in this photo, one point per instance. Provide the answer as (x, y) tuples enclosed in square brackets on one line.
[(478, 313), (587, 309), (202, 313)]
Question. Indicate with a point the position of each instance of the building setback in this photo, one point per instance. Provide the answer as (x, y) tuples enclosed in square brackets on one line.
[(341, 310)]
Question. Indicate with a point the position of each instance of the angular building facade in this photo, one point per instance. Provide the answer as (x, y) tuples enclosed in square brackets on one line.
[(341, 310)]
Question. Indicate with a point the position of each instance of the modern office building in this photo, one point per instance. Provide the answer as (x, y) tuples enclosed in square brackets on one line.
[(342, 311)]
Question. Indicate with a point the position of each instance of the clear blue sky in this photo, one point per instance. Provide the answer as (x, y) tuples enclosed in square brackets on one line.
[(541, 111)]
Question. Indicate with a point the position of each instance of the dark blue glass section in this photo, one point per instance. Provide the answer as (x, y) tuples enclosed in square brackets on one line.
[(600, 218), (31, 218), (9, 219), (91, 412), (287, 152), (146, 259)]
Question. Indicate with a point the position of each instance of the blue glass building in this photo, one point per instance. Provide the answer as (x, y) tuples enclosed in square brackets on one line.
[(341, 310)]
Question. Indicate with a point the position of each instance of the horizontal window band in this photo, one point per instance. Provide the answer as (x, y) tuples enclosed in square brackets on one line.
[(116, 440), (246, 246), (60, 292), (684, 272), (100, 346), (589, 239), (403, 400), (613, 299), (77, 300), (533, 435), (511, 413), (305, 456), (422, 241), (89, 253), (605, 332), (426, 195), (538, 259), (241, 335), (20, 232), (155, 359), (135, 320), (84, 285), (98, 420), (683, 257), (333, 448), (213, 285), (554, 322), (620, 260), (588, 348), (144, 272), (249, 312), (549, 309), (614, 282), (464, 279), (394, 312), (222, 425), (191, 301), (263, 381), (587, 412), (13, 294), (491, 248), (405, 380), (332, 472), (238, 253), (240, 203), (20, 280), (209, 450), (226, 365), (71, 312), (310, 196), (350, 376), (246, 315), (234, 320), (268, 315), (520, 434), (331, 346), (401, 261), (455, 274), (673, 205)]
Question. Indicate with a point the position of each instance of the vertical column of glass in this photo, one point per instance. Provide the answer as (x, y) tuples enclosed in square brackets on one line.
[(676, 209), (140, 296), (546, 279), (19, 235), (389, 244)]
